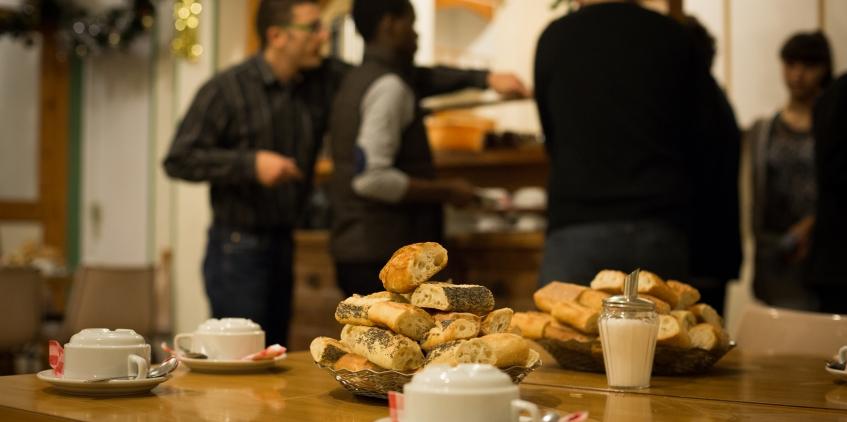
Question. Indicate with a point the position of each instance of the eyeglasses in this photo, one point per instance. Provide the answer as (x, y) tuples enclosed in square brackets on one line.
[(312, 28)]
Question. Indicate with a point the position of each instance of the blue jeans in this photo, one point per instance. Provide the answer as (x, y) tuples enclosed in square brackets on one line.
[(250, 275), (575, 254)]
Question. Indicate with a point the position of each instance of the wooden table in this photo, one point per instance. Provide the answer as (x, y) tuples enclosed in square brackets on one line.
[(300, 391)]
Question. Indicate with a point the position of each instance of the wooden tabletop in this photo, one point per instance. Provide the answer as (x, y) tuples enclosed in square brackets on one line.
[(299, 391), (777, 380)]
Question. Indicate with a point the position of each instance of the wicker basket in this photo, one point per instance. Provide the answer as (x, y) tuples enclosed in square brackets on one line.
[(377, 384), (588, 357)]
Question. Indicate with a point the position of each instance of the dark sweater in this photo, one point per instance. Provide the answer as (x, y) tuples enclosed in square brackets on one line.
[(634, 124)]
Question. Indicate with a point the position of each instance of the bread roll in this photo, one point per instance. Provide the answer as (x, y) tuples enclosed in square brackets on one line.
[(580, 317), (707, 314), (508, 349), (687, 295), (551, 294), (402, 318), (354, 363), (708, 337), (648, 283), (450, 330), (382, 347), (592, 298), (443, 316), (394, 297), (327, 351), (354, 310), (672, 333), (454, 297), (531, 324), (412, 265), (497, 321), (556, 331), (662, 307)]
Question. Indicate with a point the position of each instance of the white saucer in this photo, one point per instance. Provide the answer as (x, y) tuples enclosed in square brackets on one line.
[(103, 388), (229, 366), (842, 375)]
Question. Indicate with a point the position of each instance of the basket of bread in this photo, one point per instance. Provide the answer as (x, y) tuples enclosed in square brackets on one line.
[(691, 336), (390, 335)]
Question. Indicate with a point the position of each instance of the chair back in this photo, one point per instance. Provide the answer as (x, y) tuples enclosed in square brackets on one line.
[(21, 304), (778, 331), (112, 297)]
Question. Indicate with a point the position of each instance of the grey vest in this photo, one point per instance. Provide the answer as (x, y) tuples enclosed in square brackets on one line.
[(365, 230)]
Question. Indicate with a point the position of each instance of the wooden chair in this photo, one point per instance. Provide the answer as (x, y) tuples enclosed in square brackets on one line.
[(778, 331), (112, 297), (21, 302)]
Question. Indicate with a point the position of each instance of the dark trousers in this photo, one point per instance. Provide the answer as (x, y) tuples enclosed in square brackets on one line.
[(359, 277), (575, 254), (250, 275)]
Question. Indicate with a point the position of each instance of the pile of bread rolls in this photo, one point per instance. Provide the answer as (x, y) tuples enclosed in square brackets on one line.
[(570, 311), (416, 322)]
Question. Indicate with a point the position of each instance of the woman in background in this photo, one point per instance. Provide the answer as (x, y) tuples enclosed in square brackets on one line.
[(781, 150)]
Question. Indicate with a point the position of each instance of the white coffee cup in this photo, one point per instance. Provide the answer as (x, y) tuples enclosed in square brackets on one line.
[(223, 339), (467, 393), (101, 353)]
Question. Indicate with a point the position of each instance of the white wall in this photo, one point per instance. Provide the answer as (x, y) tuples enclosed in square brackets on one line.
[(835, 25), (19, 110), (115, 168)]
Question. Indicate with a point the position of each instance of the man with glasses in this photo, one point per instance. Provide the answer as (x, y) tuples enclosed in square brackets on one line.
[(253, 132)]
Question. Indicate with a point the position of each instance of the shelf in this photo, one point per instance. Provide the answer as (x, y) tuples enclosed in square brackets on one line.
[(483, 8)]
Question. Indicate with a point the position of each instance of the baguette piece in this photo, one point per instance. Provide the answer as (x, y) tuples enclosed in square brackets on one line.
[(580, 317), (450, 330), (609, 281), (402, 318), (531, 324), (382, 347), (685, 318), (551, 294), (707, 314), (708, 337), (687, 294), (497, 321), (354, 363), (556, 331), (672, 333), (412, 265), (443, 316), (394, 297), (662, 307), (445, 353), (327, 351), (354, 310), (454, 297), (648, 284), (592, 298), (508, 349)]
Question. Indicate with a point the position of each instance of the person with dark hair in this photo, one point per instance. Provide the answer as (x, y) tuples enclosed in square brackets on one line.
[(639, 135), (383, 190), (828, 273), (780, 150), (253, 132)]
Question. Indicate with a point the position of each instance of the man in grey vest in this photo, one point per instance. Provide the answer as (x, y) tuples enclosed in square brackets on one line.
[(383, 190)]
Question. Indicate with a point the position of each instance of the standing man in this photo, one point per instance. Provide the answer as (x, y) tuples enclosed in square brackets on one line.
[(253, 132), (384, 192), (638, 135)]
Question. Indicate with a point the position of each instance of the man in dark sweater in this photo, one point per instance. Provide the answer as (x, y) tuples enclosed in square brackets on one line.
[(638, 134), (829, 249)]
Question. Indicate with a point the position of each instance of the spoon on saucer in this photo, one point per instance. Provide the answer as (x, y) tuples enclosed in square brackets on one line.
[(160, 371)]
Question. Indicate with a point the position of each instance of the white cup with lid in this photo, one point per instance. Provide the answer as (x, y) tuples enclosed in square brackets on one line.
[(467, 393), (223, 339), (95, 353)]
